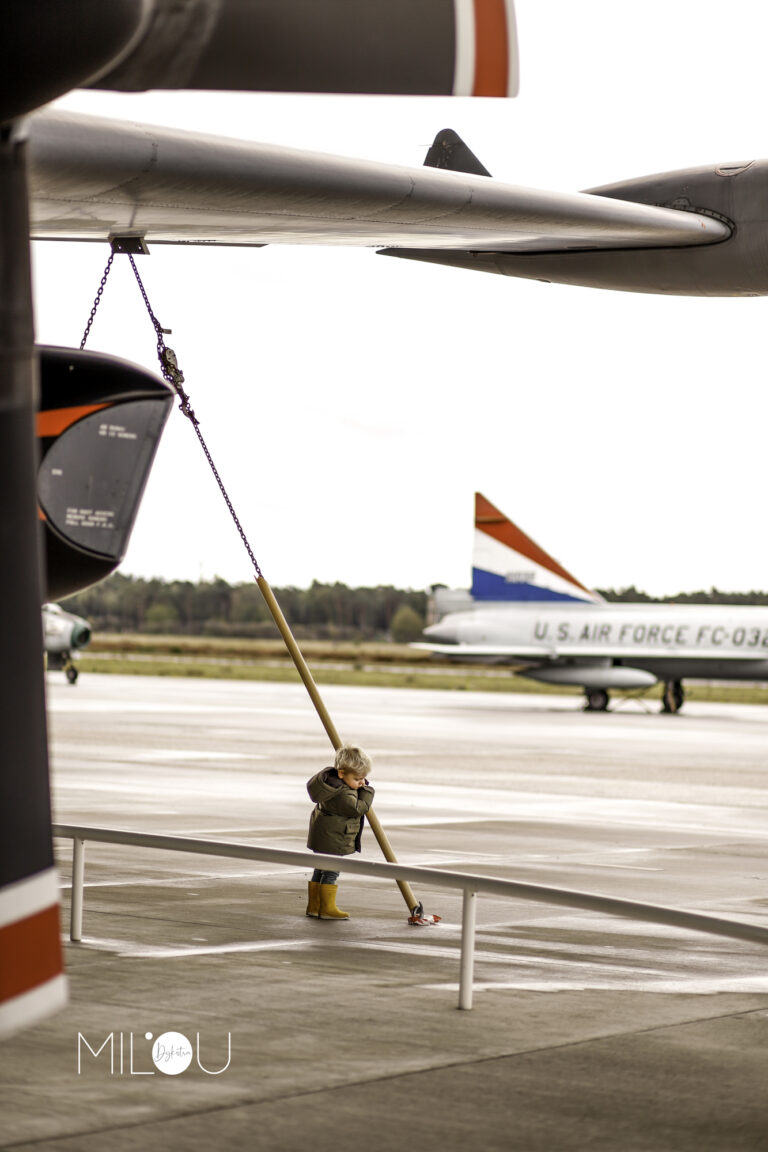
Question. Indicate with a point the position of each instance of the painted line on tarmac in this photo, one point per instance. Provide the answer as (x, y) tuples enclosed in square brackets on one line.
[(163, 952), (484, 957), (186, 754), (125, 948), (597, 977), (191, 879), (172, 708), (695, 986), (219, 949)]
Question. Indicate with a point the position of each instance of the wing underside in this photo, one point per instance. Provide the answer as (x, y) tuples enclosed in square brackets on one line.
[(92, 179)]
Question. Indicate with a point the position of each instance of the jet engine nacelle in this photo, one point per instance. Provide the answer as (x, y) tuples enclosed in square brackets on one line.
[(98, 427), (47, 49), (734, 194), (434, 47), (583, 676)]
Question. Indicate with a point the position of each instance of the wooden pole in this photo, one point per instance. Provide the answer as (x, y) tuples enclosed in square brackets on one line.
[(303, 669)]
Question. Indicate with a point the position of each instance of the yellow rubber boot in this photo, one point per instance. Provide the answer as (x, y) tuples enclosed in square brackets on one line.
[(328, 909), (313, 903)]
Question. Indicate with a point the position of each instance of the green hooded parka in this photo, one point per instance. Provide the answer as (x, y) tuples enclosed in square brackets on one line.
[(336, 823)]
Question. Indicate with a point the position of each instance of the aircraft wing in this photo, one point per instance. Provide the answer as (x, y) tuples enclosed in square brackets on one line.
[(92, 179), (657, 652), (587, 652), (489, 651)]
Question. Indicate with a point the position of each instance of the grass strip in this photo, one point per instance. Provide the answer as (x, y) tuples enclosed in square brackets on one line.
[(401, 667)]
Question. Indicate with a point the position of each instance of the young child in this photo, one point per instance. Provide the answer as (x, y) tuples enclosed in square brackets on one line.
[(342, 796)]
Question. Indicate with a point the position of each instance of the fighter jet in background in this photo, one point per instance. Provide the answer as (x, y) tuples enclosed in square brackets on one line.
[(527, 611), (64, 634)]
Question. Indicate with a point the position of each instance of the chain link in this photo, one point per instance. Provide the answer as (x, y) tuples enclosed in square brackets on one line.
[(96, 302), (169, 367)]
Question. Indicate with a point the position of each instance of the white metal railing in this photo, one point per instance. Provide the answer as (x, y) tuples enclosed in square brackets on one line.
[(469, 884)]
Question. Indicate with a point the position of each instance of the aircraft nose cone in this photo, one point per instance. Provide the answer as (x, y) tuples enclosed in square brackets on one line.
[(441, 633)]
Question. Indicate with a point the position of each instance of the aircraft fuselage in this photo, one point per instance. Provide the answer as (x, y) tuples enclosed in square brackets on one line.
[(669, 641)]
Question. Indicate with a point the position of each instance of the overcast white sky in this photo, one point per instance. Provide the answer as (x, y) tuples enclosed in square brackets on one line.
[(355, 403)]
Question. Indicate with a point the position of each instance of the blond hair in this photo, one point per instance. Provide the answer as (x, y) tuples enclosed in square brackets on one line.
[(352, 760)]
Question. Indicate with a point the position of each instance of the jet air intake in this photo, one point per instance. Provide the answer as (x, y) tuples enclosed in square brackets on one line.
[(98, 426)]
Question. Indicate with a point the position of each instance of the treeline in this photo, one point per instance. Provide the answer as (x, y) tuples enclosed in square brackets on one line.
[(320, 612), (713, 596), (216, 608)]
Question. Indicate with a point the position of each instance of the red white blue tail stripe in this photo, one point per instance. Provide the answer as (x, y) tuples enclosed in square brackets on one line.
[(507, 565)]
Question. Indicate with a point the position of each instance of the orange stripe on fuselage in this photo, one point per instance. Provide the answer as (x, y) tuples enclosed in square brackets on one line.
[(56, 420), (30, 953), (491, 48)]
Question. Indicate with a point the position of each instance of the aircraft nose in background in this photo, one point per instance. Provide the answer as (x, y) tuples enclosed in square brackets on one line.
[(443, 632)]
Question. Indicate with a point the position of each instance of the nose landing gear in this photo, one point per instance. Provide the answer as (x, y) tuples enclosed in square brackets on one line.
[(63, 662)]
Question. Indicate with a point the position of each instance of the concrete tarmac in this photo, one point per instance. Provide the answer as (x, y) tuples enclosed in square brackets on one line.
[(586, 1033)]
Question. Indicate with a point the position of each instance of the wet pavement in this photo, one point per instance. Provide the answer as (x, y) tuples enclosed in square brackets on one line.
[(585, 1032)]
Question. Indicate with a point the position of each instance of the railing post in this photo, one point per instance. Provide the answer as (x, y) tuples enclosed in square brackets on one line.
[(468, 914), (78, 877)]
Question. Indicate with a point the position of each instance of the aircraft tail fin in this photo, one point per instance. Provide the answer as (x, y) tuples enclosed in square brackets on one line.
[(508, 565)]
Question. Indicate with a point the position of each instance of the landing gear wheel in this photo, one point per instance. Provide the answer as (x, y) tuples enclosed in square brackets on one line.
[(597, 700), (71, 673), (673, 696)]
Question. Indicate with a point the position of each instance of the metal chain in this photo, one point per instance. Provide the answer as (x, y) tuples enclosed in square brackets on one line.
[(175, 377), (96, 302)]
